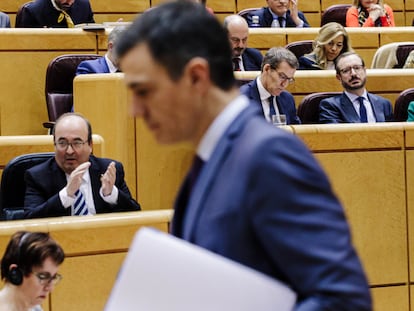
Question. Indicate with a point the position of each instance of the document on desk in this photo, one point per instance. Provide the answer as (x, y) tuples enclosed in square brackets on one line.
[(161, 273)]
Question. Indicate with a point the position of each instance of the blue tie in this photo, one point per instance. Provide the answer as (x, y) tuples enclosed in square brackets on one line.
[(272, 110), (79, 207), (362, 110)]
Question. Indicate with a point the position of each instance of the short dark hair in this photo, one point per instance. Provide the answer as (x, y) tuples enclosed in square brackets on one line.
[(28, 250), (178, 31), (340, 56), (88, 124)]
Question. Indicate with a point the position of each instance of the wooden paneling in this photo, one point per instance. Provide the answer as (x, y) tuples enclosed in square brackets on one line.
[(391, 298), (153, 172), (25, 61), (109, 117)]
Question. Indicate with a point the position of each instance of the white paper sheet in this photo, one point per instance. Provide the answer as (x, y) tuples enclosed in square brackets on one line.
[(163, 273)]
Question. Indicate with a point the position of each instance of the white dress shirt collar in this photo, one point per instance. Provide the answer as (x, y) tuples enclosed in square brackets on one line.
[(220, 124)]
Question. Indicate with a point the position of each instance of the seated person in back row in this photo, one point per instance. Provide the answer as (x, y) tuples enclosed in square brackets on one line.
[(56, 14), (75, 182), (332, 41), (4, 20), (107, 63), (355, 104), (278, 13), (268, 89), (244, 58)]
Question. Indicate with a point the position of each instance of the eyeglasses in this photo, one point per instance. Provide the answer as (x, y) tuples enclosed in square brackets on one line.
[(283, 77), (63, 145), (46, 279), (348, 70)]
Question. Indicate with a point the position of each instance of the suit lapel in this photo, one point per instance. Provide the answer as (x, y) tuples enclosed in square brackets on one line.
[(209, 172), (350, 115), (375, 109)]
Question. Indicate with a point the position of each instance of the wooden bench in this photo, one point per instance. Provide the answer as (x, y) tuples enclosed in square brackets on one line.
[(95, 248)]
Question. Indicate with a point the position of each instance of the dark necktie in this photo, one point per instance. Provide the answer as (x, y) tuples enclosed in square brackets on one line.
[(281, 20), (194, 172), (236, 64), (362, 110), (272, 110)]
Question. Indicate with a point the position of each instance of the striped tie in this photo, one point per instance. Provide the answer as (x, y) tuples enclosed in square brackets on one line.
[(79, 207)]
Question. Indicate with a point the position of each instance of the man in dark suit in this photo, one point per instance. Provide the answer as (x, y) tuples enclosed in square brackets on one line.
[(244, 58), (55, 14), (355, 104), (53, 187), (278, 13), (267, 91), (260, 198), (107, 63)]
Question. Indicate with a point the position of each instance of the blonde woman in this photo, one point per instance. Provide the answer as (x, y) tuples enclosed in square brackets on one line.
[(369, 13), (332, 41)]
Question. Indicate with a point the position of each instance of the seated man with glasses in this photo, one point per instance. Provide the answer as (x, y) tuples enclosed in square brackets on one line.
[(75, 182), (268, 90), (29, 269), (355, 104)]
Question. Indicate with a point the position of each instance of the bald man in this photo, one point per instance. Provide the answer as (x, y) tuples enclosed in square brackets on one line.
[(244, 58)]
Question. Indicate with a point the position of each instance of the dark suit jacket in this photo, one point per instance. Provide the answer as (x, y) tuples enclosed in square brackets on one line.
[(98, 65), (252, 59), (262, 200), (308, 62), (41, 13), (339, 109), (44, 181), (285, 101), (266, 18)]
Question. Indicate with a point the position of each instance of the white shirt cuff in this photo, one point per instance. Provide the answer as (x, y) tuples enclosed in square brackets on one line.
[(66, 200), (112, 198)]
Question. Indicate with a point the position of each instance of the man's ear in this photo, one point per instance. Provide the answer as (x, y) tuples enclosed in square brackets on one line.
[(198, 70), (338, 77)]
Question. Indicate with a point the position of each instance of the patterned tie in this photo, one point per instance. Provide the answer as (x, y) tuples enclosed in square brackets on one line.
[(69, 21), (272, 110), (236, 64), (79, 207), (362, 110)]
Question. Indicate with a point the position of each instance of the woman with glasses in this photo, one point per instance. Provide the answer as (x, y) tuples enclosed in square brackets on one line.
[(369, 13), (332, 41), (29, 269)]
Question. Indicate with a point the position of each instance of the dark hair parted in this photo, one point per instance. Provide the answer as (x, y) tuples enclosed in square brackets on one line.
[(175, 33), (30, 249)]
